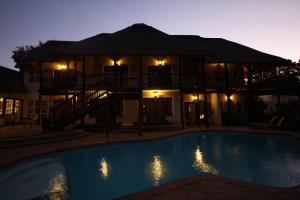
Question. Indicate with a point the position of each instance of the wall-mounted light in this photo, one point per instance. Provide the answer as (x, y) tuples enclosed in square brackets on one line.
[(195, 97), (155, 93), (118, 62), (62, 67), (230, 97), (160, 62)]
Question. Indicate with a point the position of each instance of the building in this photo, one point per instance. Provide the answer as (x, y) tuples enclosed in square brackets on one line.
[(142, 76), (12, 94)]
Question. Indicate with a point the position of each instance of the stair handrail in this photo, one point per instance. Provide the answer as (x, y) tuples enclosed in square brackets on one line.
[(77, 105)]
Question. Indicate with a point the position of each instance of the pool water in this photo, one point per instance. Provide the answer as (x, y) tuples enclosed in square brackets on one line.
[(112, 170)]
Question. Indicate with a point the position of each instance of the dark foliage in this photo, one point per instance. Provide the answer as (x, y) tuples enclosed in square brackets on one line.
[(21, 52)]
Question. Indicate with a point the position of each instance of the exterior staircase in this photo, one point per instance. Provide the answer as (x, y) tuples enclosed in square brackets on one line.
[(74, 108)]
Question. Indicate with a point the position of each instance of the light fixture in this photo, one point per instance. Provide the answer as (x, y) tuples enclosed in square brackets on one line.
[(118, 62), (155, 93), (230, 97), (160, 62), (195, 97), (62, 67)]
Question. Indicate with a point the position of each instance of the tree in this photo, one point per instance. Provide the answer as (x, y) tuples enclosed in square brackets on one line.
[(20, 53)]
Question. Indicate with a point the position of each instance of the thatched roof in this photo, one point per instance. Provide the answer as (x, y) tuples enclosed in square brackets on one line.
[(146, 40), (10, 80), (52, 49), (228, 51)]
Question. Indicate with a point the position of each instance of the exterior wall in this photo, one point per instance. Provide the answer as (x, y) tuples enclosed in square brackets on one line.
[(130, 111), (217, 103), (32, 86)]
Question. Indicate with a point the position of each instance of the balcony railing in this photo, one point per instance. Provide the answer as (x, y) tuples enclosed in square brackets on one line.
[(149, 81)]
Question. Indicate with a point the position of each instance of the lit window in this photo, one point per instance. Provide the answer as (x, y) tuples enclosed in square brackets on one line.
[(1, 105), (9, 106)]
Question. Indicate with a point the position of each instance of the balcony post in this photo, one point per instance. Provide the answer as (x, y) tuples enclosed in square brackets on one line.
[(205, 93), (67, 77), (197, 106), (181, 94), (250, 86), (40, 95), (228, 94), (83, 88), (140, 102), (277, 73)]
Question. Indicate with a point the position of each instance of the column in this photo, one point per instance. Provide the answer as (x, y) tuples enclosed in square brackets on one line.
[(228, 94), (141, 96), (181, 94), (206, 119), (83, 87)]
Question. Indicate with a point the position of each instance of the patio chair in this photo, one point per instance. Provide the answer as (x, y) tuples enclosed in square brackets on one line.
[(272, 122)]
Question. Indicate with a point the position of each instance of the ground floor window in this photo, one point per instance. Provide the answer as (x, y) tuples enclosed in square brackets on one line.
[(10, 109)]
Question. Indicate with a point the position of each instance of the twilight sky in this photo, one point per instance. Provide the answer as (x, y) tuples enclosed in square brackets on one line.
[(271, 26)]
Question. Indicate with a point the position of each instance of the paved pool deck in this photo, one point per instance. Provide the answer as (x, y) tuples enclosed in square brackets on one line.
[(204, 187)]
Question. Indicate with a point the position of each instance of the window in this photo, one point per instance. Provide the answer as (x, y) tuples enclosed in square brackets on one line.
[(9, 106)]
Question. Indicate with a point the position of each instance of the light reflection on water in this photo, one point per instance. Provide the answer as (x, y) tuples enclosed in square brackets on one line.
[(104, 168), (57, 188), (200, 163), (157, 169)]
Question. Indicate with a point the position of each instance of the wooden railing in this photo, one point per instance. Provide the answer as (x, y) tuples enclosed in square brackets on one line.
[(149, 80), (75, 107)]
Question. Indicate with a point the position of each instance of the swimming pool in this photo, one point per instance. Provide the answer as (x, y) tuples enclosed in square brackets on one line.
[(112, 170)]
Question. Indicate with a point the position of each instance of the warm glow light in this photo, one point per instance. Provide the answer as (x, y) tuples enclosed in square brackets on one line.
[(201, 164), (104, 168), (157, 169), (195, 98), (160, 62), (230, 97), (119, 62), (57, 186), (202, 116), (62, 67), (155, 93)]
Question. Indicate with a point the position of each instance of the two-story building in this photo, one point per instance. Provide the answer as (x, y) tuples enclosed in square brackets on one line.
[(142, 76)]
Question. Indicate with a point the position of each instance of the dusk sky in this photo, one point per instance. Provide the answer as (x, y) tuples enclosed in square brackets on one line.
[(271, 26)]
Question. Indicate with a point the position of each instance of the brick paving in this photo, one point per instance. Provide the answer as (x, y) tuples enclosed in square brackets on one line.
[(204, 187), (214, 188)]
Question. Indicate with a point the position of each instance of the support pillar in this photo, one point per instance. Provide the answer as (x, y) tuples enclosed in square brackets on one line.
[(83, 87), (197, 105), (206, 119), (40, 95), (250, 100), (140, 102), (181, 94), (228, 94)]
